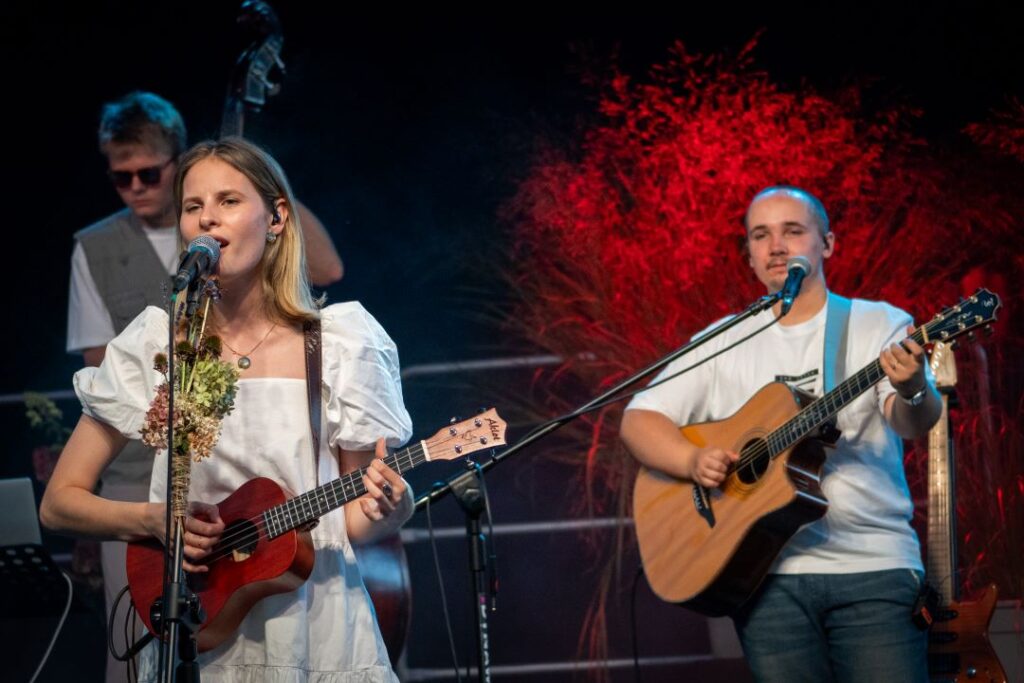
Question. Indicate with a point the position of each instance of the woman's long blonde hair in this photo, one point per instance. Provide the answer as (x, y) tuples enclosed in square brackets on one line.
[(283, 267)]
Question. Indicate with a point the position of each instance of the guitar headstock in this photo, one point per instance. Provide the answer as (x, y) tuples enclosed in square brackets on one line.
[(479, 433), (943, 366), (975, 312)]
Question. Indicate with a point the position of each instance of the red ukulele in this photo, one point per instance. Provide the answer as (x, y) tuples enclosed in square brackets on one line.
[(266, 546)]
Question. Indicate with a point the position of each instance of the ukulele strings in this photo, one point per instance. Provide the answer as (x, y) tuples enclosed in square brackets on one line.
[(254, 527)]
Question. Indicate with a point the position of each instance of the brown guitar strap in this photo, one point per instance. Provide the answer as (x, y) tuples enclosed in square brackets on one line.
[(314, 372)]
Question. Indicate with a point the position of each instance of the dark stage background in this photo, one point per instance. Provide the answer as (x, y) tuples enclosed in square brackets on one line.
[(405, 131)]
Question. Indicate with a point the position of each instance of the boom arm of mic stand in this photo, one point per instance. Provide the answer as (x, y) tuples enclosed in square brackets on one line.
[(462, 479)]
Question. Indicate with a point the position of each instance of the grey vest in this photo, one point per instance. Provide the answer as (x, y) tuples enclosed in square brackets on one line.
[(128, 273)]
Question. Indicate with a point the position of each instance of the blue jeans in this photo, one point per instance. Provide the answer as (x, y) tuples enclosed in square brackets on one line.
[(835, 627)]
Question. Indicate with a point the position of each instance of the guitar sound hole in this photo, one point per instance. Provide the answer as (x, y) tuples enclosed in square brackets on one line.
[(240, 539), (753, 462)]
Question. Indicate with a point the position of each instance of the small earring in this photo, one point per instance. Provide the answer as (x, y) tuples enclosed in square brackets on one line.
[(271, 236)]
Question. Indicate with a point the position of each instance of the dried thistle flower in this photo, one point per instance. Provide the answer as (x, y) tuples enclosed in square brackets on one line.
[(183, 352), (205, 393), (214, 347)]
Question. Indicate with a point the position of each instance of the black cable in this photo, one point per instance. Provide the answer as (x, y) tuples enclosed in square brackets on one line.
[(110, 628), (128, 635), (637, 672), (133, 664), (129, 631), (444, 598)]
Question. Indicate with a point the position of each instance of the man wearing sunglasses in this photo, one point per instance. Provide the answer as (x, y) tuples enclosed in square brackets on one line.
[(119, 266)]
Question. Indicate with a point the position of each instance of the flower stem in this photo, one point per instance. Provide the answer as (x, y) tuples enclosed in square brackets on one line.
[(197, 341)]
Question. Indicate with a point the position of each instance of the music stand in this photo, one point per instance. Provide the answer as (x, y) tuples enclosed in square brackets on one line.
[(31, 584)]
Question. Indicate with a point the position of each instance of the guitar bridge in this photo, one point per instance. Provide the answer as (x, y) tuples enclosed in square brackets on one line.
[(702, 501)]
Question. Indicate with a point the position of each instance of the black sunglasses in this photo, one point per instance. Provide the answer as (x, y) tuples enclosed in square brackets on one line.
[(147, 176)]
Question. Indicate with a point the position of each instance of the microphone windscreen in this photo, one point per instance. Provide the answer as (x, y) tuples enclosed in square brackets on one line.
[(207, 244), (800, 262)]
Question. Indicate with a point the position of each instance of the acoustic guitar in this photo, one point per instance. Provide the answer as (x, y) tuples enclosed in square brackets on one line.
[(709, 549)]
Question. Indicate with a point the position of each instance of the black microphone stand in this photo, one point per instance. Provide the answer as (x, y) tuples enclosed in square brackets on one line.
[(179, 608), (466, 486)]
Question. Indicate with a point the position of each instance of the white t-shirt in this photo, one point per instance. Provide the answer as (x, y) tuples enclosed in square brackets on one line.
[(89, 322), (324, 631), (867, 526)]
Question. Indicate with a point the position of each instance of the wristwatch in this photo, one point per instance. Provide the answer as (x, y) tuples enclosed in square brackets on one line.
[(917, 399)]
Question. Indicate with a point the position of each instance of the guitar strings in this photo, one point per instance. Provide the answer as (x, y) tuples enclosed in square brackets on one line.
[(407, 457), (352, 480), (775, 442), (226, 545), (257, 525)]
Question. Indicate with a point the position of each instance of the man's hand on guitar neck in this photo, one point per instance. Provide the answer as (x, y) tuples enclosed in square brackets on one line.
[(916, 405), (655, 441)]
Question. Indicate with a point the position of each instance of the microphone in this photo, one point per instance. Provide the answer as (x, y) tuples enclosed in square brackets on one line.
[(202, 255), (798, 268)]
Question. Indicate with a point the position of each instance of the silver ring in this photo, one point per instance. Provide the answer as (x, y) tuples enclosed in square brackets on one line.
[(386, 488)]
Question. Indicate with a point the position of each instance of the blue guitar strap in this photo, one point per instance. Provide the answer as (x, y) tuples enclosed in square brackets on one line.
[(837, 320)]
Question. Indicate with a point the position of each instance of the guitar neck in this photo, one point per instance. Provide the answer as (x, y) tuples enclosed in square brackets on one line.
[(310, 506), (941, 561), (808, 420), (232, 121)]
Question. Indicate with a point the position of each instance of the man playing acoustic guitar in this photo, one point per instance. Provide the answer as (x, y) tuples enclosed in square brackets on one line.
[(836, 603)]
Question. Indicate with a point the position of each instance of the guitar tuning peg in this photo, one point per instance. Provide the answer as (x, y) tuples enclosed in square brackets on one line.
[(954, 345), (453, 420), (989, 330), (970, 335)]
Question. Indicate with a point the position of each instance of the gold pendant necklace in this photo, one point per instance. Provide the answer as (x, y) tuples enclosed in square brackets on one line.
[(244, 362)]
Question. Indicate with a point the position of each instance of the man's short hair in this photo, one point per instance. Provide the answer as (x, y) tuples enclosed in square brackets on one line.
[(817, 208), (142, 118)]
